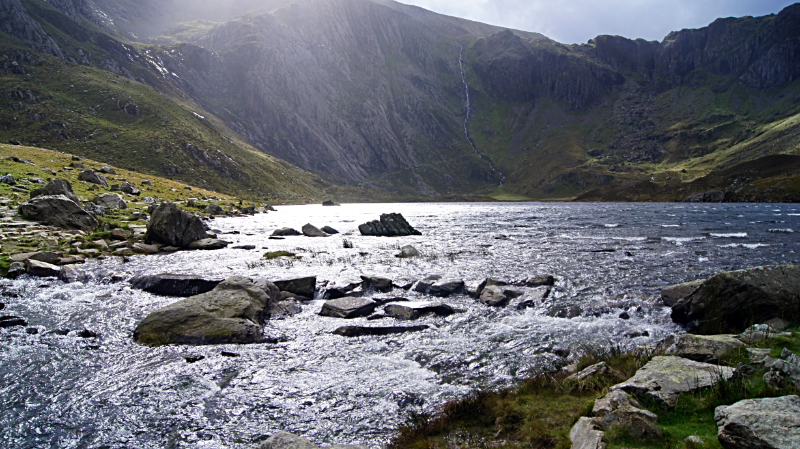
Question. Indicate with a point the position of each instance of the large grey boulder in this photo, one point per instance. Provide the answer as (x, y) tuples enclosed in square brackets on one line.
[(424, 285), (378, 283), (768, 423), (130, 189), (304, 287), (614, 400), (56, 186), (329, 230), (672, 294), (172, 226), (414, 310), (93, 177), (389, 225), (208, 244), (282, 232), (41, 269), (174, 284), (664, 378), (348, 307), (310, 230), (110, 200), (230, 313), (498, 296), (700, 348), (447, 287), (215, 209), (58, 210), (729, 302), (587, 434)]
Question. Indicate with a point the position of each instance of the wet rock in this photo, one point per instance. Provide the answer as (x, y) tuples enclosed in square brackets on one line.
[(215, 209), (245, 247), (328, 203), (71, 274), (57, 187), (497, 296), (208, 244), (41, 269), (413, 311), (93, 177), (110, 200), (230, 313), (407, 251), (730, 301), (759, 423), (304, 287), (310, 230), (567, 312), (389, 225), (674, 293), (172, 226), (700, 348), (446, 288), (596, 371), (174, 284), (15, 270), (144, 248), (32, 331), (42, 256), (283, 232), (665, 377), (286, 440), (58, 210), (340, 291), (283, 309), (193, 358), (329, 230), (424, 285), (359, 331), (377, 283), (539, 280), (561, 352), (488, 282), (587, 434), (12, 321), (348, 307), (86, 333)]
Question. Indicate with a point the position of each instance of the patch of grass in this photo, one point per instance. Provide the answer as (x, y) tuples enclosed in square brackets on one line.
[(276, 254)]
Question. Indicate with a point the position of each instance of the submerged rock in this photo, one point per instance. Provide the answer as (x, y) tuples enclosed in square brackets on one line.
[(230, 313), (348, 307), (58, 210), (304, 287), (389, 225), (407, 251), (359, 331), (731, 301), (412, 311), (174, 284), (172, 226), (768, 423), (497, 296)]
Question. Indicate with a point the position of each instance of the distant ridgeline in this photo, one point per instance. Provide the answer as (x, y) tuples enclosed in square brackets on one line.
[(366, 100)]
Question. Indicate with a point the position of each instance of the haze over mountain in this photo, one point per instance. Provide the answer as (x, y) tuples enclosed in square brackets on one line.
[(374, 93)]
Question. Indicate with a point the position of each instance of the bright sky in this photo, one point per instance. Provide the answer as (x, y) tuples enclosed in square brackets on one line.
[(577, 21)]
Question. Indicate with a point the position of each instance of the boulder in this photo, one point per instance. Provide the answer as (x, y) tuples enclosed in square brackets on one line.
[(12, 321), (359, 331), (93, 177), (286, 440), (729, 302), (120, 234), (215, 209), (42, 256), (389, 225), (486, 283), (41, 269), (329, 230), (497, 296), (130, 188), (412, 310), (424, 285), (310, 230), (768, 423), (230, 313), (407, 251), (174, 284), (15, 270), (282, 232), (447, 287), (596, 371), (172, 226), (348, 307), (328, 203), (377, 283), (58, 210), (8, 179), (638, 423), (94, 209), (664, 378), (786, 367), (283, 309), (700, 348), (304, 287), (614, 400), (56, 186), (539, 280), (110, 200), (71, 273), (107, 170), (533, 297), (674, 293), (340, 291), (587, 434), (208, 244), (138, 216)]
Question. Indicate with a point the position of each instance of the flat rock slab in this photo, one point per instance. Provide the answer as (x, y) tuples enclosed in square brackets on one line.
[(666, 377), (378, 283), (447, 287), (174, 284), (412, 311), (760, 423), (348, 307), (359, 331), (208, 244), (700, 348)]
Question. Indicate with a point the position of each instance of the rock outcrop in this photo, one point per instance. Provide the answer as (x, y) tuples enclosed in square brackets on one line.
[(172, 226), (389, 225), (58, 210), (230, 313)]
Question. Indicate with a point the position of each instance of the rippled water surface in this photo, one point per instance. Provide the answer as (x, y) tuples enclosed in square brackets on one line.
[(65, 391)]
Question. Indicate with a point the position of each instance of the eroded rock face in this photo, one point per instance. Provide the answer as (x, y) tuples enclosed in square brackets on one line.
[(729, 302), (389, 225), (172, 226), (665, 377), (58, 210), (768, 423), (57, 186), (230, 313), (700, 348)]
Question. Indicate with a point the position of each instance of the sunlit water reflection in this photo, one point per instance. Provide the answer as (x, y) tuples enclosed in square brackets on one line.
[(65, 391)]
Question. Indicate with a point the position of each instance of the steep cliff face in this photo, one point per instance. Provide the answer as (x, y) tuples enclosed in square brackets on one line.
[(16, 22)]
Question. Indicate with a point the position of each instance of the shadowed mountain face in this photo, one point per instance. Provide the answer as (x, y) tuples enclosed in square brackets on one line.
[(371, 92)]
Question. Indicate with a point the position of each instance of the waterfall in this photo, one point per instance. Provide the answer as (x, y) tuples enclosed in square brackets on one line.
[(466, 118)]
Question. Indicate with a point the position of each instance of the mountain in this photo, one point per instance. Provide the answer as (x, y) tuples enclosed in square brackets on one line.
[(376, 98)]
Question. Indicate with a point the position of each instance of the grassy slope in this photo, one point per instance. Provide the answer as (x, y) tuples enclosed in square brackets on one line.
[(540, 411)]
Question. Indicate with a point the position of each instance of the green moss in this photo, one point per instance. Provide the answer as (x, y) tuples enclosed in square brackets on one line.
[(276, 254)]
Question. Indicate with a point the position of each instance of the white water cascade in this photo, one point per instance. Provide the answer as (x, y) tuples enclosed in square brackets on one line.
[(466, 118)]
